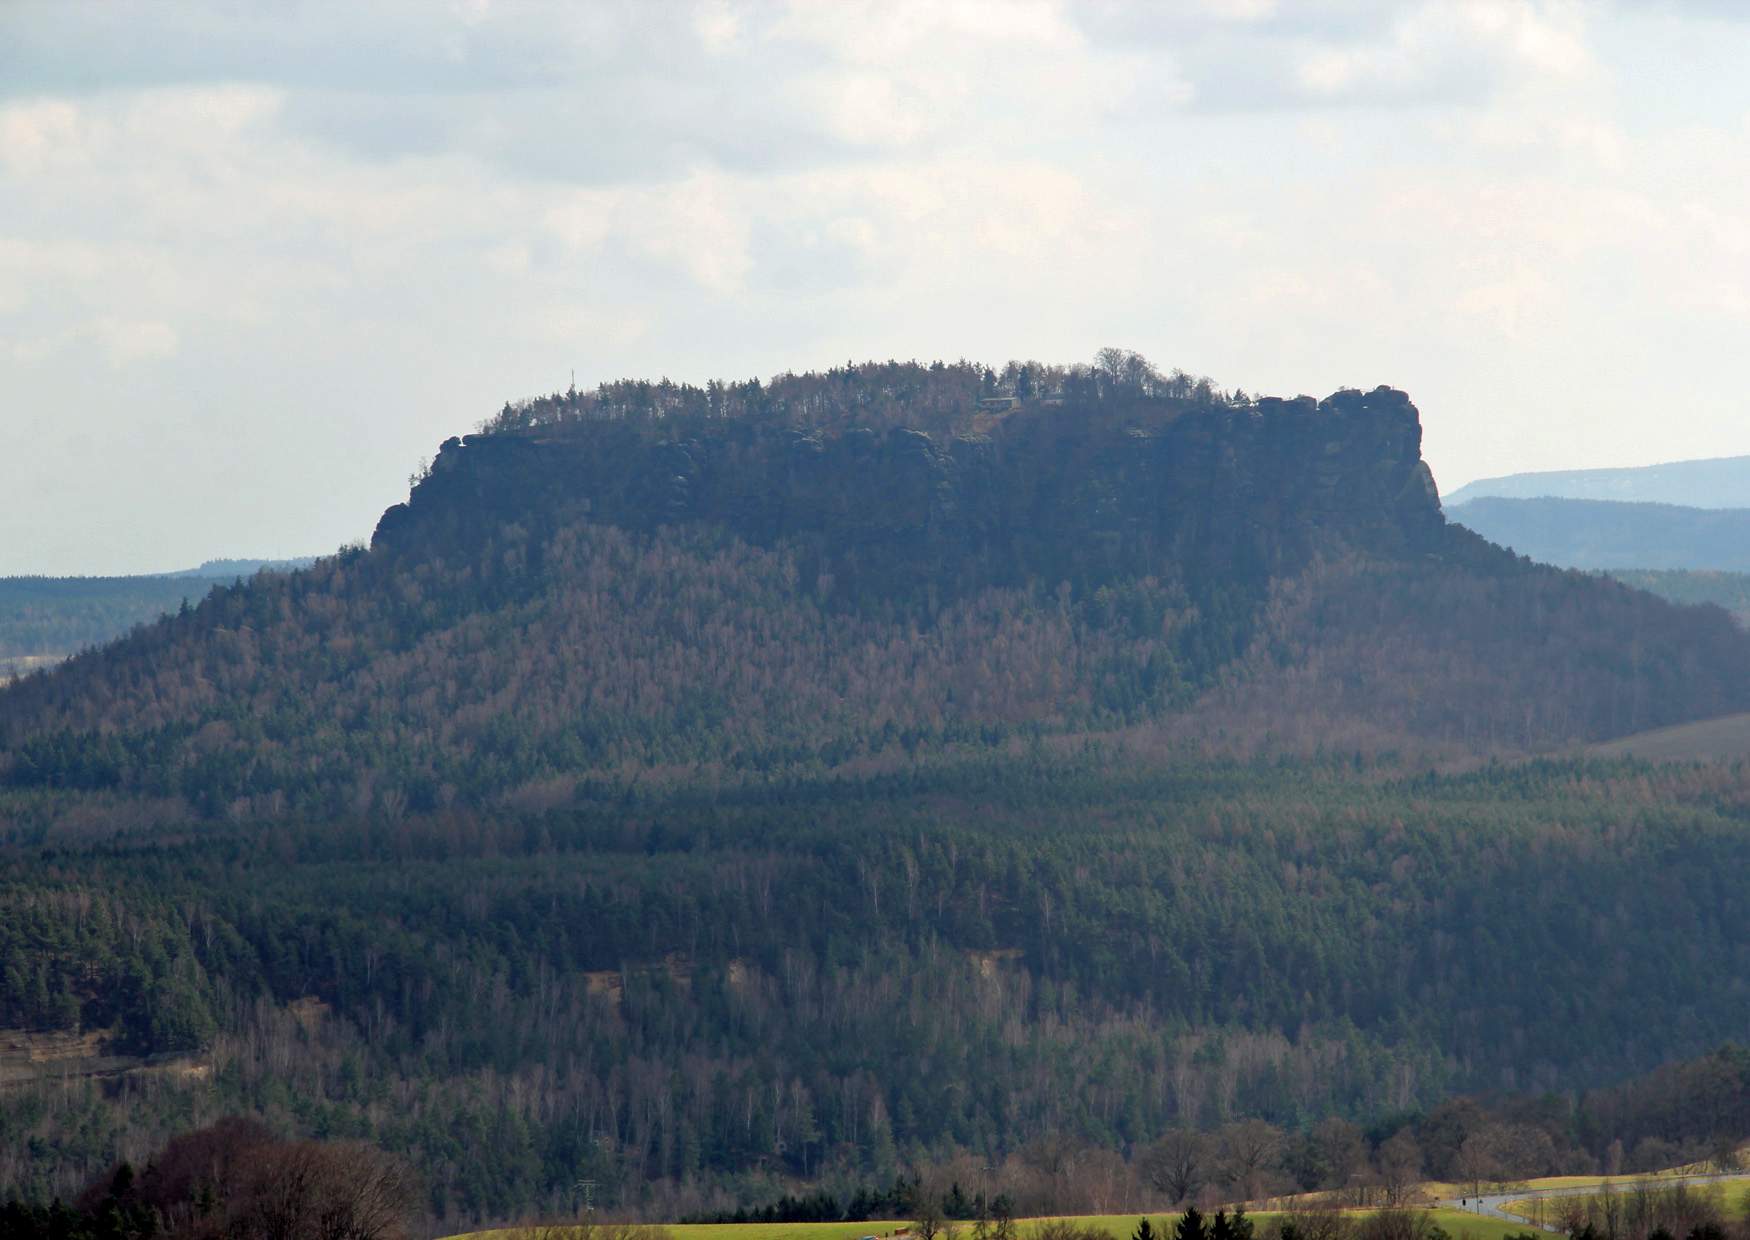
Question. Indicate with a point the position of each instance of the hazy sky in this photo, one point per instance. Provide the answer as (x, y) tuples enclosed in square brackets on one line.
[(257, 259)]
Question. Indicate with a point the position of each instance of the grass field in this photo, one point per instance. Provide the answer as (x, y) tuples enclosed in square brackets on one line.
[(1462, 1226), (1730, 1199), (1441, 1189), (781, 1231), (1710, 740), (1456, 1223), (1733, 1200), (744, 1231)]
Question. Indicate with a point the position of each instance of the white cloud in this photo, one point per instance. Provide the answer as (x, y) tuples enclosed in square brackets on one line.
[(1513, 305), (510, 259), (615, 328), (890, 32), (700, 226), (1236, 10), (1426, 48), (126, 342), (718, 25), (582, 219), (868, 109), (1548, 37), (36, 136)]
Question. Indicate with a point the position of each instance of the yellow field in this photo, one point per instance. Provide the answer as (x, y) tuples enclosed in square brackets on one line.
[(1734, 1201), (740, 1231), (1457, 1224), (1120, 1226), (1439, 1189), (781, 1231), (1728, 1198)]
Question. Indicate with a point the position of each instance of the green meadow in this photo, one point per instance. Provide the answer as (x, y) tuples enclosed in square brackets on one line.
[(1456, 1223)]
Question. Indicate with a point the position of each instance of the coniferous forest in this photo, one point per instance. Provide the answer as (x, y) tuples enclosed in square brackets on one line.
[(1080, 779)]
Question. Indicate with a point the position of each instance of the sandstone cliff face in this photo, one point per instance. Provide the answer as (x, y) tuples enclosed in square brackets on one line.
[(1049, 493)]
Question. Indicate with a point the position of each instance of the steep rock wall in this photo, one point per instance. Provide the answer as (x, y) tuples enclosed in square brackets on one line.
[(1049, 493)]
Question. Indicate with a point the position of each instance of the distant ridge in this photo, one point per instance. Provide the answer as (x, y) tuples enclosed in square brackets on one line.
[(1718, 482), (44, 619), (1601, 534), (243, 568)]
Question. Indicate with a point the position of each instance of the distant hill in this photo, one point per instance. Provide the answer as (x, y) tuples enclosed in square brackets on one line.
[(43, 619), (244, 568), (1600, 534), (1683, 554), (842, 567), (1693, 586), (1720, 482)]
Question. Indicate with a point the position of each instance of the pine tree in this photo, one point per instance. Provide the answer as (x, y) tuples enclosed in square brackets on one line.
[(1002, 1214)]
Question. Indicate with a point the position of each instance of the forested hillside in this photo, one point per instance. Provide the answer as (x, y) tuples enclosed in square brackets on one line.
[(1728, 590), (721, 584), (714, 790), (698, 999)]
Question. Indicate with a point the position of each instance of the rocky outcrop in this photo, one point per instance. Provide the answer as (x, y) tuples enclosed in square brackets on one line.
[(1050, 493), (30, 1057)]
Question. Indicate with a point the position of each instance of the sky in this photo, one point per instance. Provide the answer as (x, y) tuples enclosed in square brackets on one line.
[(258, 260)]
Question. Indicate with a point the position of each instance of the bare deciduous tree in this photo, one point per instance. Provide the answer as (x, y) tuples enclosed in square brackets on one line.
[(318, 1191), (1250, 1152), (1400, 1165), (236, 1180), (928, 1222), (1175, 1164)]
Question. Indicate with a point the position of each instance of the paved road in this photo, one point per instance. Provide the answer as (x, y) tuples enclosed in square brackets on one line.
[(1490, 1205)]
